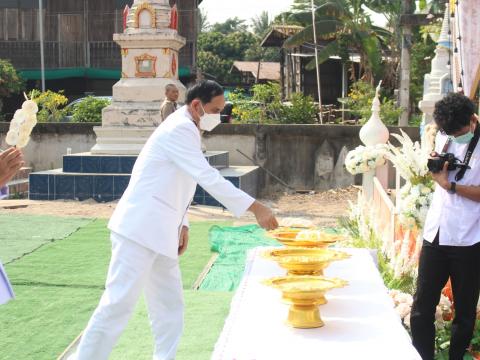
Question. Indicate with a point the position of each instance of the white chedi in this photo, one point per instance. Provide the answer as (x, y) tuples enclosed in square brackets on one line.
[(22, 124)]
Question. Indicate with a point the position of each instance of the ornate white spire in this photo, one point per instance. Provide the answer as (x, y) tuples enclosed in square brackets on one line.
[(375, 132), (438, 82)]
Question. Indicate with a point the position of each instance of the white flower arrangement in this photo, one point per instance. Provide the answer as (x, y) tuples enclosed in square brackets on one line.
[(410, 160), (364, 159), (22, 124), (415, 201)]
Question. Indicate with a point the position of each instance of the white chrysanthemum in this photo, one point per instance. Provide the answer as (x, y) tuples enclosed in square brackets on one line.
[(403, 309), (30, 107), (12, 138), (405, 298), (309, 235)]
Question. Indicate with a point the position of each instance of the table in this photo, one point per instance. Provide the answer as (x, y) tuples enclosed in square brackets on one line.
[(360, 320)]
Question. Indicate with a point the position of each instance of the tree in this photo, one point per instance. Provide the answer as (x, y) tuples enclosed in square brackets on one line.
[(261, 24), (347, 26), (230, 26), (10, 81), (218, 51)]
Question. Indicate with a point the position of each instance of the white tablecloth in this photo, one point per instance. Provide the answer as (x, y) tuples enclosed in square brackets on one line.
[(360, 321)]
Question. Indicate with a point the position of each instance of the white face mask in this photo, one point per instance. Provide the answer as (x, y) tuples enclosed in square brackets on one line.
[(208, 122)]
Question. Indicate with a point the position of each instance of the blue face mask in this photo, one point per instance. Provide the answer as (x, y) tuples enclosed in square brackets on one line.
[(462, 139)]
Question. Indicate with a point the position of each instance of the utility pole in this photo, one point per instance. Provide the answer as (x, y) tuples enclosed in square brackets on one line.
[(42, 50), (404, 91), (316, 63)]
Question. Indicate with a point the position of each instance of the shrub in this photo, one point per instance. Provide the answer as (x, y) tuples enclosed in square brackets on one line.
[(50, 104), (359, 102), (266, 107), (90, 109)]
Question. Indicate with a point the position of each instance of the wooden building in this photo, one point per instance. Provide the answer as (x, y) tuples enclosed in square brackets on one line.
[(80, 55), (248, 71), (294, 75)]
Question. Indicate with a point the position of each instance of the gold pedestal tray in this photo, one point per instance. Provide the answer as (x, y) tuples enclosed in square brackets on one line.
[(304, 261), (304, 238), (304, 294)]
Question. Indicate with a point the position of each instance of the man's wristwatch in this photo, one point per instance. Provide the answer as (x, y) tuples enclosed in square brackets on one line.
[(453, 187)]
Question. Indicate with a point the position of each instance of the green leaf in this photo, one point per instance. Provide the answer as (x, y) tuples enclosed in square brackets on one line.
[(330, 50), (323, 28)]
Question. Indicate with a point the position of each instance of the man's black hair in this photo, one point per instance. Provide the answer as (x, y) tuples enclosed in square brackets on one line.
[(453, 112), (205, 91)]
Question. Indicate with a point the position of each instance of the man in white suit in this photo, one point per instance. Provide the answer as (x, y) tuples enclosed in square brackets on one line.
[(149, 227)]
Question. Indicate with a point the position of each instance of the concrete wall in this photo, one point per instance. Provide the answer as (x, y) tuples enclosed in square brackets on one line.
[(306, 157), (49, 142)]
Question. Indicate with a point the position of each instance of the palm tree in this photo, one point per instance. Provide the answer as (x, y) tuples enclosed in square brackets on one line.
[(203, 24), (261, 24), (348, 28)]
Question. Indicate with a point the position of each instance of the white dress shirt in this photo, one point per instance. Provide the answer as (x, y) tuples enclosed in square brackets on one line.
[(457, 217), (164, 179)]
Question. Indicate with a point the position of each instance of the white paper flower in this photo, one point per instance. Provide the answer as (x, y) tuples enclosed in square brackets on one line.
[(23, 141), (31, 120), (20, 116), (15, 125), (12, 138), (30, 107)]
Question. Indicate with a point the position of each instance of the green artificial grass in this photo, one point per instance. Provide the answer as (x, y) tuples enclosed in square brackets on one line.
[(59, 285), (43, 321), (22, 234), (205, 313), (82, 259)]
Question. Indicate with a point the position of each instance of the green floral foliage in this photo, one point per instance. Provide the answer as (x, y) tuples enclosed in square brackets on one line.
[(90, 109)]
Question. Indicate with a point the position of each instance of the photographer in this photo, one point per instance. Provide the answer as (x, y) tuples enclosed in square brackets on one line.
[(451, 246)]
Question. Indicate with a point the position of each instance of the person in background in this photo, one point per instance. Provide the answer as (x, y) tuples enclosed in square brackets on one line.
[(11, 161), (169, 105)]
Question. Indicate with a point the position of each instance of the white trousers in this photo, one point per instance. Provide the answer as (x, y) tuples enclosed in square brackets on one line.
[(134, 268)]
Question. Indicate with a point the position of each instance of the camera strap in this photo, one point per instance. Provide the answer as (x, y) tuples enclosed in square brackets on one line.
[(471, 147)]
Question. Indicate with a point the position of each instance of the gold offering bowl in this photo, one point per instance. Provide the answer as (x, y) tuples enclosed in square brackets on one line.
[(294, 237), (304, 294), (304, 261)]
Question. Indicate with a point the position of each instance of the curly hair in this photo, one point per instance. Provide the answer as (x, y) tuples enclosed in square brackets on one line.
[(453, 112)]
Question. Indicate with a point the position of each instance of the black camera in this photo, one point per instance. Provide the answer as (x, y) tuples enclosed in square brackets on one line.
[(435, 164)]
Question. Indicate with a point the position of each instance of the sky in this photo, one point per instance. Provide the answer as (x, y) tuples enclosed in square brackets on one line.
[(221, 10)]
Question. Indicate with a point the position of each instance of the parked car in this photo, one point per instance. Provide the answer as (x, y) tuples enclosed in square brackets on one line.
[(69, 109)]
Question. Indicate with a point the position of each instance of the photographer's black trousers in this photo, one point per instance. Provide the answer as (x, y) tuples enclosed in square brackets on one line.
[(437, 264)]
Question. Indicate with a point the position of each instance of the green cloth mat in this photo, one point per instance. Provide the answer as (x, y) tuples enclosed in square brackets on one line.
[(22, 234), (232, 244)]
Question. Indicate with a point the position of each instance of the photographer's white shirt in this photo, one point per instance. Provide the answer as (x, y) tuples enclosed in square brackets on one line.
[(457, 217)]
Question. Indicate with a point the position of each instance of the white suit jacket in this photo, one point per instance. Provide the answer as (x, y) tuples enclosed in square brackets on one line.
[(163, 183)]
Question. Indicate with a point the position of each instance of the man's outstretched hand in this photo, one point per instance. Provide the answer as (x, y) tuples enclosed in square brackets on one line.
[(264, 215), (183, 243)]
